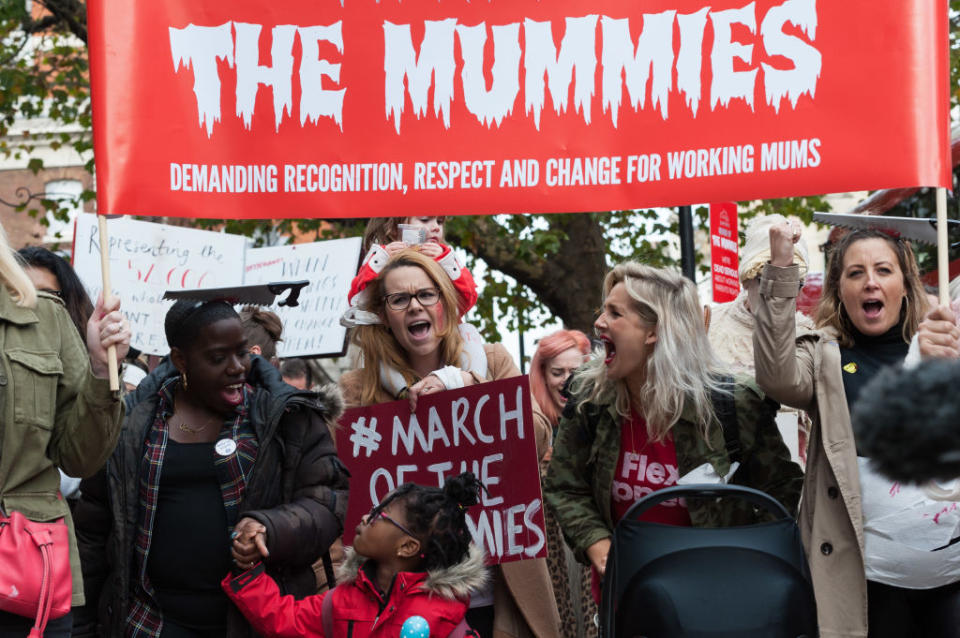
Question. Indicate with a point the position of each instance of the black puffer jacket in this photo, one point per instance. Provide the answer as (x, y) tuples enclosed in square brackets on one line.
[(297, 489)]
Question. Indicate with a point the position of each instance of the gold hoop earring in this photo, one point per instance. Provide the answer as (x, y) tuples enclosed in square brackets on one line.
[(183, 380)]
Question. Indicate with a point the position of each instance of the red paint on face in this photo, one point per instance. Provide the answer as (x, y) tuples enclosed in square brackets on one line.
[(440, 315)]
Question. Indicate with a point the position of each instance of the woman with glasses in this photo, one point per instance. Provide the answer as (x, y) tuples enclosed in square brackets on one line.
[(410, 346)]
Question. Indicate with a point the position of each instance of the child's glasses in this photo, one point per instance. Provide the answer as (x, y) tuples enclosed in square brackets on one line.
[(375, 514)]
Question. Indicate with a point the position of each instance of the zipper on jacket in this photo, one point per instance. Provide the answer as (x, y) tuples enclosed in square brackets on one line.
[(350, 628)]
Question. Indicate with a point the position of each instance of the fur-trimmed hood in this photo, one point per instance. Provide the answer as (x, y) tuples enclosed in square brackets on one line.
[(456, 581)]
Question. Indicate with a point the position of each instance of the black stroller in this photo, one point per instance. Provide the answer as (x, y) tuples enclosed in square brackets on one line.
[(750, 581)]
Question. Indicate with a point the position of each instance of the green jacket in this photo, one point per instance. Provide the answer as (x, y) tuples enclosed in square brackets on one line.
[(53, 413), (580, 477)]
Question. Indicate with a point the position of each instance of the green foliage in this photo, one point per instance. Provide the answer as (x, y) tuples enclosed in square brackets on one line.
[(44, 75)]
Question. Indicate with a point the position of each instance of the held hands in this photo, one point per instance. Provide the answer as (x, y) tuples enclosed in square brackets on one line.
[(249, 543), (597, 553), (431, 384), (782, 238), (938, 335), (106, 327)]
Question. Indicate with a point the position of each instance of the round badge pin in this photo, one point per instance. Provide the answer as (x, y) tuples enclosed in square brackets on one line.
[(225, 447)]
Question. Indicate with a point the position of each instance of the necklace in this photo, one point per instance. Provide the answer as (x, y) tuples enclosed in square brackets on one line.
[(189, 430), (183, 427)]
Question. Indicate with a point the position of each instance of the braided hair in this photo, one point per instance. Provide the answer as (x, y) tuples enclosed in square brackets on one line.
[(438, 517), (186, 318)]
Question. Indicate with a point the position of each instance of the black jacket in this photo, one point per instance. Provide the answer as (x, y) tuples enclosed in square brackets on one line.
[(297, 489)]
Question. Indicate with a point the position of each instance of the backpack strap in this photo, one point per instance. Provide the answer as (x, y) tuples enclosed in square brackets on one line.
[(328, 570), (462, 630), (726, 410), (326, 614)]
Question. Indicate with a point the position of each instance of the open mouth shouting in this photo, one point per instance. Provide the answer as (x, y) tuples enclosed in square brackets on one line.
[(419, 330), (611, 349), (233, 394), (872, 309)]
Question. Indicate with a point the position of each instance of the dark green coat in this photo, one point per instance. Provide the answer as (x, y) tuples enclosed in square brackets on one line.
[(580, 477)]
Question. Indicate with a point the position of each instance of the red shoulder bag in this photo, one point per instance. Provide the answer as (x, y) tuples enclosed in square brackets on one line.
[(35, 579)]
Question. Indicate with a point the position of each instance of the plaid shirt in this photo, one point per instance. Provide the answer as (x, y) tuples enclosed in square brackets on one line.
[(145, 618)]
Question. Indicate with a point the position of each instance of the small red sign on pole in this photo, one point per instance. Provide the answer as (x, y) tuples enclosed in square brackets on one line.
[(724, 255)]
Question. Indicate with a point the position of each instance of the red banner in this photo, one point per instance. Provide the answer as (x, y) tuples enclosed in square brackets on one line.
[(486, 429), (724, 252), (374, 107)]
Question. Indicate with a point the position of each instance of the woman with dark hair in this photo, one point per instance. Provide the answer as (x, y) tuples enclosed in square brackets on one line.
[(218, 460), (879, 567), (409, 573), (262, 329), (411, 346), (52, 274)]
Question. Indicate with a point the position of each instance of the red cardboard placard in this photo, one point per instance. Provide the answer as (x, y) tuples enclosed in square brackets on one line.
[(486, 429), (252, 109)]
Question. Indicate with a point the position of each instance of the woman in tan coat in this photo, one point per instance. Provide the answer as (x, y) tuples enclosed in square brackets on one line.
[(411, 346), (859, 539)]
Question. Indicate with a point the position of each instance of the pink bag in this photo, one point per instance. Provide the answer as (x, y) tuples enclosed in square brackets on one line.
[(35, 579)]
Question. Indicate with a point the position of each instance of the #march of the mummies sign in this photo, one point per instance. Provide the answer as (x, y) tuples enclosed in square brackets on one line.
[(486, 429), (371, 107), (148, 259)]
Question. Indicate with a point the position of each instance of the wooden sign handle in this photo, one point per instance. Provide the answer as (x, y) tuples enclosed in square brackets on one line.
[(107, 293)]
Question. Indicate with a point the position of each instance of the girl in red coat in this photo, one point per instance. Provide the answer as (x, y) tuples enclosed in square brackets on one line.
[(383, 238), (410, 573)]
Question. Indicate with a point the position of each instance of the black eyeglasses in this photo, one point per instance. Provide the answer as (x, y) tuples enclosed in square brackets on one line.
[(401, 300), (375, 514)]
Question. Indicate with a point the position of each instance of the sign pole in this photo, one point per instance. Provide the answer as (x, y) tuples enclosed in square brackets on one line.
[(687, 252), (107, 293), (943, 248)]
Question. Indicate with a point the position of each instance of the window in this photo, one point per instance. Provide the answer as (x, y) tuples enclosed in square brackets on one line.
[(68, 191)]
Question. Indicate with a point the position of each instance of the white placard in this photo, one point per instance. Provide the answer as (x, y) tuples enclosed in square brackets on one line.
[(147, 259), (312, 328)]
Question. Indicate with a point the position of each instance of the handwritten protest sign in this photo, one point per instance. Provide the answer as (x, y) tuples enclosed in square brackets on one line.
[(312, 328), (382, 107), (148, 259), (486, 429)]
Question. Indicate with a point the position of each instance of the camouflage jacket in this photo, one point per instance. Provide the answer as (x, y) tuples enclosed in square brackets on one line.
[(580, 477)]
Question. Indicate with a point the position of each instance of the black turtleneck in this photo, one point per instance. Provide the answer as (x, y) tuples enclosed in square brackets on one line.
[(869, 355)]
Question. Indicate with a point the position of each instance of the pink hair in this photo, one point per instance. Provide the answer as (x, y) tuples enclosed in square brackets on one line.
[(548, 348)]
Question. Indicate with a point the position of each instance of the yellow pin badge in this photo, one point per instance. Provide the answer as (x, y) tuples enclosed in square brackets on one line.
[(850, 367)]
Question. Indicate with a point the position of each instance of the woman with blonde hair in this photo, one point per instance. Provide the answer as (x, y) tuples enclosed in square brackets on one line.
[(884, 559), (642, 417), (58, 410), (411, 346)]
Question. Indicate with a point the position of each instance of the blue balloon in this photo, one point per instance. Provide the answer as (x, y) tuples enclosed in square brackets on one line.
[(415, 627)]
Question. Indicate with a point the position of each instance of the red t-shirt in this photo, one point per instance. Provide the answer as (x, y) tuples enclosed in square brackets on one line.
[(644, 467)]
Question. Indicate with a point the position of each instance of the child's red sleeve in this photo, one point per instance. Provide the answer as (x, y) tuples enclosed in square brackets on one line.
[(258, 598), (372, 264), (462, 280)]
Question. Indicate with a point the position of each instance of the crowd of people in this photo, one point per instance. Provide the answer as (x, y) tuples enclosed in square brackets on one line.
[(213, 502)]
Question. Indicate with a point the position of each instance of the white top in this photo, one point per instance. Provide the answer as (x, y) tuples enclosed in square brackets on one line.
[(901, 528)]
